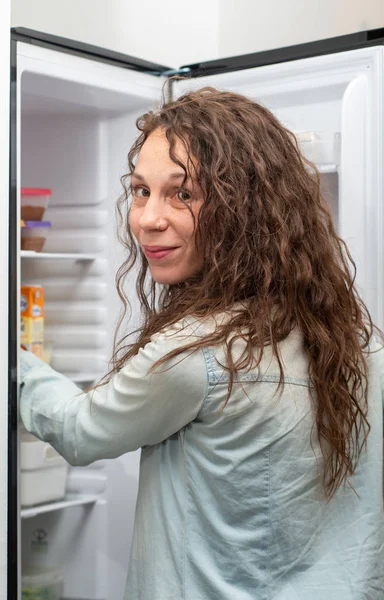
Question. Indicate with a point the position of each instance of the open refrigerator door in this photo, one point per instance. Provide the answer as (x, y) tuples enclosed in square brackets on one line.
[(333, 103)]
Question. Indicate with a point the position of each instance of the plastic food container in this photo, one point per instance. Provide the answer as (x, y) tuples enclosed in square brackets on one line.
[(43, 472), (319, 147), (42, 583), (34, 202), (33, 234)]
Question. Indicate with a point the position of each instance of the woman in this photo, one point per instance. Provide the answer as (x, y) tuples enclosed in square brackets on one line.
[(251, 387)]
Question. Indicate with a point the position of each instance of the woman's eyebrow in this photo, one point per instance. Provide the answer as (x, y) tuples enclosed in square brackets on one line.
[(171, 176)]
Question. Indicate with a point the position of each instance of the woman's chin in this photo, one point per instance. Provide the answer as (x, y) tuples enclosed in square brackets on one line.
[(171, 277), (167, 278)]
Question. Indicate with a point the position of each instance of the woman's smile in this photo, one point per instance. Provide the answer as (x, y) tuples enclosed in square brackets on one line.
[(158, 252)]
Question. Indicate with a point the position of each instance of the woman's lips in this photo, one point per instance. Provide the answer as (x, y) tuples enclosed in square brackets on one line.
[(158, 252)]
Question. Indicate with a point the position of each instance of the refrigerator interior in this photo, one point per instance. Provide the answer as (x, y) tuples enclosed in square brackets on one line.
[(77, 121)]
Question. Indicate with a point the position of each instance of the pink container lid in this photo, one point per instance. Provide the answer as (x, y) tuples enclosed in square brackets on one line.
[(36, 192)]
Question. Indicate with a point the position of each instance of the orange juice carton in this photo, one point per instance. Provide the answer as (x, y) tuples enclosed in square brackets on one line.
[(32, 318)]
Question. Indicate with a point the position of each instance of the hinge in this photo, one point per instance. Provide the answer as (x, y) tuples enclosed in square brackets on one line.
[(175, 72), (171, 76)]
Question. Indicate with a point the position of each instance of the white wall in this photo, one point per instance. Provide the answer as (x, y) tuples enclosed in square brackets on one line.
[(253, 25), (170, 32), (176, 32)]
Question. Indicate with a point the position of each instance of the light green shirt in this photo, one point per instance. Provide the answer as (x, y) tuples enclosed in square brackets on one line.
[(230, 503)]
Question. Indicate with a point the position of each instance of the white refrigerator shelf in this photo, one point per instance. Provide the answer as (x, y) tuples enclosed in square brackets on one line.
[(56, 255), (325, 169), (69, 500), (331, 168)]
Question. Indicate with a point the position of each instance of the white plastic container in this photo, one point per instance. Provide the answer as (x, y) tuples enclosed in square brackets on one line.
[(34, 202), (319, 147), (41, 583), (43, 472)]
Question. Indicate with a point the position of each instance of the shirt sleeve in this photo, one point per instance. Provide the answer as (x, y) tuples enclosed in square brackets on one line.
[(136, 408)]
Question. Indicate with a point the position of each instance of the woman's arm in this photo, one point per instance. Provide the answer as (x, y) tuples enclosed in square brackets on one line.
[(134, 409)]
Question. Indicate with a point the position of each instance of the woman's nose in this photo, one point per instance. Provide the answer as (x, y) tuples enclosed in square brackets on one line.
[(152, 214)]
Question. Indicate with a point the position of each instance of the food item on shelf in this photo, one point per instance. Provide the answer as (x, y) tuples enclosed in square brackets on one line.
[(43, 472), (32, 318), (33, 234), (41, 583), (34, 202), (319, 147)]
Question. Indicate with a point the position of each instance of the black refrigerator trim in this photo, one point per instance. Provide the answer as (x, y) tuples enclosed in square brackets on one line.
[(343, 43), (60, 44), (13, 450)]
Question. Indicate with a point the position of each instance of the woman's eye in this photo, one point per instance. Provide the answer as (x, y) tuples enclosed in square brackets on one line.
[(184, 195), (140, 192)]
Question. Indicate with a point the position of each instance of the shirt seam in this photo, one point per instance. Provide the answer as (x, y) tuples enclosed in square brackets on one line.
[(269, 525), (186, 516), (223, 378), (207, 385)]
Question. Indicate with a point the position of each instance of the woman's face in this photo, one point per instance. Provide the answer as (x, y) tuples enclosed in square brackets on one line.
[(159, 216)]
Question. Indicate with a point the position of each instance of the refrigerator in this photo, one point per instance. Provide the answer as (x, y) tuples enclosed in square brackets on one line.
[(73, 111)]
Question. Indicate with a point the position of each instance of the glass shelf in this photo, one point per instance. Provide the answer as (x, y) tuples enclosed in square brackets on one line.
[(69, 500), (324, 169), (56, 255)]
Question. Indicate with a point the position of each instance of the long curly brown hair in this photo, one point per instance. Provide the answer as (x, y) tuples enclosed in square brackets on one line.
[(267, 237)]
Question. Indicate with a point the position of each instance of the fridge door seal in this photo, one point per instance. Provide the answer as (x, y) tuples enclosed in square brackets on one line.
[(13, 459)]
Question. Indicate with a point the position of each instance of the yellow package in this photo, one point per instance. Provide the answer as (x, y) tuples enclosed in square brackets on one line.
[(32, 318)]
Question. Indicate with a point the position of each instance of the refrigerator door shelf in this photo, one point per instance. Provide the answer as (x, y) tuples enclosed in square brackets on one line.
[(69, 500), (326, 169)]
